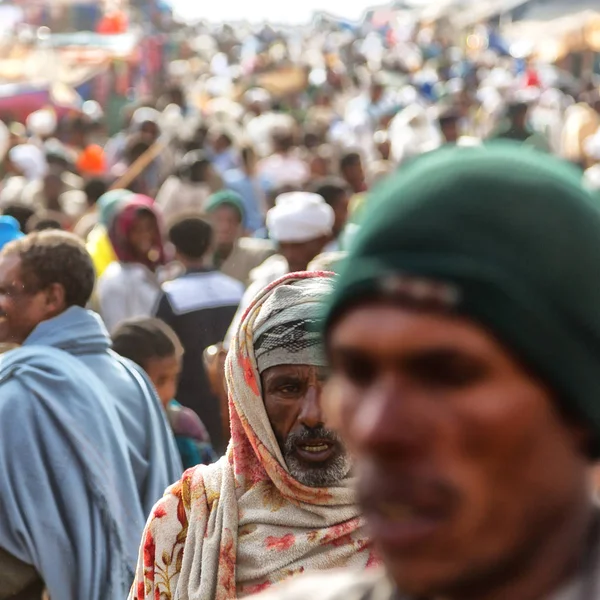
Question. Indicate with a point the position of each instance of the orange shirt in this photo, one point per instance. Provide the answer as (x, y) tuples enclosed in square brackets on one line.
[(113, 24)]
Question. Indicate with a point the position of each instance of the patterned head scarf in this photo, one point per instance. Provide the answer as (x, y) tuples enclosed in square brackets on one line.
[(286, 329), (243, 524)]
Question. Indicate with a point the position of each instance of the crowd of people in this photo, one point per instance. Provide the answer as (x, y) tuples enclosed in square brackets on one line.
[(332, 341)]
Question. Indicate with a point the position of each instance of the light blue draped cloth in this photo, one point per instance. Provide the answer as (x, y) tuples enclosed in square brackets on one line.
[(69, 503), (153, 453)]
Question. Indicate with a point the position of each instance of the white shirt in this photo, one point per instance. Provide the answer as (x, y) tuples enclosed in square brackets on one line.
[(125, 291)]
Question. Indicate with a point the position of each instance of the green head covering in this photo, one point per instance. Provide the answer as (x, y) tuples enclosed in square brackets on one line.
[(505, 236), (226, 198), (108, 204)]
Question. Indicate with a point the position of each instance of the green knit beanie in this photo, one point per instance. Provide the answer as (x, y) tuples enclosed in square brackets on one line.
[(226, 198), (505, 236)]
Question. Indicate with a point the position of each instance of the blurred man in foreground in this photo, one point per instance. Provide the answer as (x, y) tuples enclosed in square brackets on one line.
[(464, 338)]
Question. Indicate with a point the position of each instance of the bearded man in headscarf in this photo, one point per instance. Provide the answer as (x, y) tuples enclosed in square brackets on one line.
[(281, 501)]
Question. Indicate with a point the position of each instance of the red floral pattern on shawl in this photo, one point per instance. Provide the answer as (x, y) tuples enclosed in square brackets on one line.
[(243, 524)]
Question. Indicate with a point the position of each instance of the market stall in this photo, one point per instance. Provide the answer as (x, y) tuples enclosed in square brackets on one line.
[(62, 15), (91, 65)]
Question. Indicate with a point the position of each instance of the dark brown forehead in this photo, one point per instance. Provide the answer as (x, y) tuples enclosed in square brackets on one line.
[(291, 371)]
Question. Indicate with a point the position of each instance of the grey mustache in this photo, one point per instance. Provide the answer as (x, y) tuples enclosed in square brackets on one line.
[(308, 435)]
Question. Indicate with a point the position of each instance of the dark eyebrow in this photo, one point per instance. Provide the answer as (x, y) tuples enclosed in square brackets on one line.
[(440, 354), (346, 353), (281, 380), (437, 354)]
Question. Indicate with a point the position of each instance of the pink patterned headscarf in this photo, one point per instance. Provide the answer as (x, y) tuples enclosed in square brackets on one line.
[(122, 224), (235, 528)]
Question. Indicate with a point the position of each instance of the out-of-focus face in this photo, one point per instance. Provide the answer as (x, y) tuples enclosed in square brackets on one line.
[(322, 100), (150, 131), (164, 374), (220, 143), (320, 167), (384, 147), (53, 188), (256, 108), (377, 91), (23, 306), (466, 468), (299, 255), (313, 453), (226, 224), (250, 160), (520, 117), (201, 172), (143, 234), (451, 131), (354, 174), (340, 210), (78, 137), (177, 97), (311, 141)]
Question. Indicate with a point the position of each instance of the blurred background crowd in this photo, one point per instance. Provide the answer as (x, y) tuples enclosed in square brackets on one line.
[(242, 151), (200, 162)]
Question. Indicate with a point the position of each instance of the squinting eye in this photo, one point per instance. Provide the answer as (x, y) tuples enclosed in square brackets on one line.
[(289, 389)]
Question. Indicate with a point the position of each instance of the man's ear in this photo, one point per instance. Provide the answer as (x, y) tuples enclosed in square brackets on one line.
[(55, 298)]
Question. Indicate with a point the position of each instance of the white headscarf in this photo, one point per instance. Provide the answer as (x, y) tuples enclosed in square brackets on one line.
[(299, 217)]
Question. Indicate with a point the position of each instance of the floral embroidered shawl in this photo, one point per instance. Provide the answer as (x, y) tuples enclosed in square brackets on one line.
[(235, 528)]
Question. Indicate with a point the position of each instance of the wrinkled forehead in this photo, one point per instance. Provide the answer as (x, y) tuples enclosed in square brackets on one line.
[(10, 267)]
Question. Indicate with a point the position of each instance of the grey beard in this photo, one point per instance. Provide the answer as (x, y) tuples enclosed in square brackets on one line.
[(329, 473)]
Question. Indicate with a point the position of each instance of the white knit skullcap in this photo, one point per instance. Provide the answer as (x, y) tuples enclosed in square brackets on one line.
[(299, 217)]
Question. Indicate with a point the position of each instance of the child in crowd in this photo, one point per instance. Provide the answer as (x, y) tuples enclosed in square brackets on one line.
[(130, 287), (154, 346)]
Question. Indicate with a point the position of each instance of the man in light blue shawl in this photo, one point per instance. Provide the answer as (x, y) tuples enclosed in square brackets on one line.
[(46, 280), (68, 497)]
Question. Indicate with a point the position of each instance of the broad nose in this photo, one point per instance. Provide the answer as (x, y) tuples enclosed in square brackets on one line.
[(390, 419), (311, 414)]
